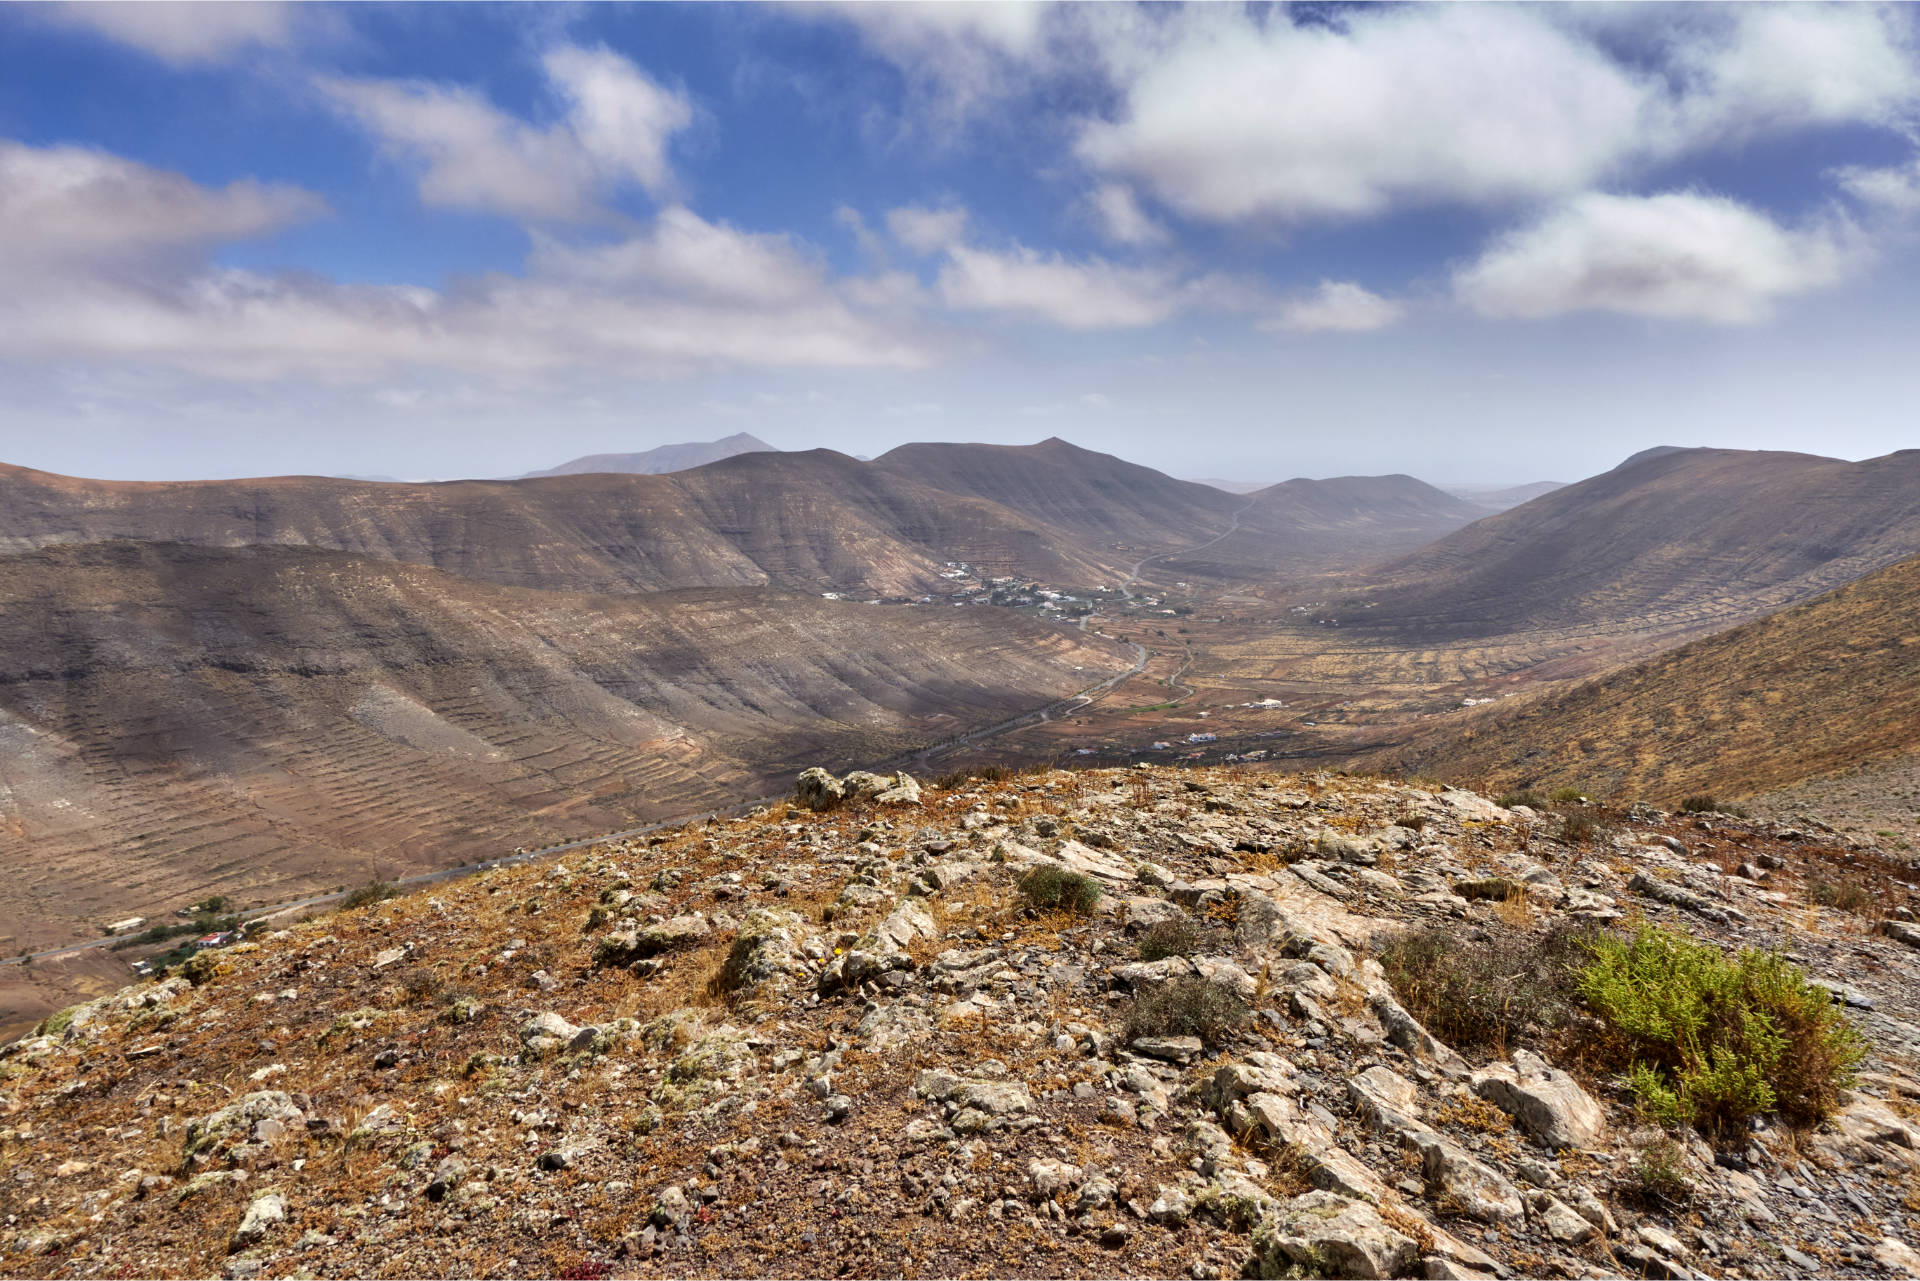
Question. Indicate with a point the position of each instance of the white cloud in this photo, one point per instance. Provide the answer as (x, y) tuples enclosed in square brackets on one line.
[(927, 231), (1241, 119), (614, 131), (107, 260), (1226, 114), (1678, 256), (1090, 294), (185, 32), (1340, 306), (1894, 189), (1121, 219), (60, 203), (957, 55), (1770, 66)]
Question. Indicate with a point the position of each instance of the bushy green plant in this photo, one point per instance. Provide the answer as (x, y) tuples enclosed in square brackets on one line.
[(1715, 1041), (1531, 799), (1050, 886), (1567, 796), (1189, 1006)]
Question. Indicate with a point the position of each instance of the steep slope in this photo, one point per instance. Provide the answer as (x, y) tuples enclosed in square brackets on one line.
[(1671, 540), (1827, 685), (813, 520), (1097, 498), (664, 458), (1301, 527), (264, 721)]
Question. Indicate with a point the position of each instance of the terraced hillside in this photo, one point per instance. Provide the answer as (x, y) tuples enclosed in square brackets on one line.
[(1684, 539), (812, 521), (1828, 685), (262, 722)]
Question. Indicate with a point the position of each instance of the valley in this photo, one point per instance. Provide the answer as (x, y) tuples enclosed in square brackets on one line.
[(264, 689)]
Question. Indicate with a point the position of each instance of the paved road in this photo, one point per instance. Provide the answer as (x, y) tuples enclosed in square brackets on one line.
[(917, 759)]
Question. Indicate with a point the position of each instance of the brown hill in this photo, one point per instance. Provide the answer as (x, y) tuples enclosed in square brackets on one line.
[(1102, 500), (1827, 685), (813, 520), (264, 721), (1671, 540)]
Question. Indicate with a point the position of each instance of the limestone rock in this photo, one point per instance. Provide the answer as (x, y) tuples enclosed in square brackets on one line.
[(1546, 1102), (1325, 1234), (818, 790), (266, 1212)]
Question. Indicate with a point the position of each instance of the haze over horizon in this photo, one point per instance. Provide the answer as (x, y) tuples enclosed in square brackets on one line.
[(1472, 244)]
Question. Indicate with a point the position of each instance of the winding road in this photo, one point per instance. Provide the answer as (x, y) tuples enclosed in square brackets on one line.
[(1133, 575)]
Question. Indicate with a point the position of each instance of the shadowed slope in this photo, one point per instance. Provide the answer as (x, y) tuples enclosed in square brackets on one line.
[(264, 721)]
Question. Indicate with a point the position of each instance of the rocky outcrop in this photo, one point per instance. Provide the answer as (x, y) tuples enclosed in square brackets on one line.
[(854, 1012), (1547, 1103)]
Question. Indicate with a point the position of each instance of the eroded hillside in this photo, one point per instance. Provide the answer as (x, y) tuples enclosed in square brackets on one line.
[(1071, 1024), (267, 722)]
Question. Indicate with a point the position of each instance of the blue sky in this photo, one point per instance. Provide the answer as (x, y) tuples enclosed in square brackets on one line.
[(1495, 243)]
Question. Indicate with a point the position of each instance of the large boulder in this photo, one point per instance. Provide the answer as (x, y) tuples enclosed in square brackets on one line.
[(1546, 1102), (267, 1212), (1326, 1234), (818, 790)]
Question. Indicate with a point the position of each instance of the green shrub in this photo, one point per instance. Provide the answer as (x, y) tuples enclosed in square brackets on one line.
[(1567, 796), (1050, 886), (367, 895), (1189, 1006), (1713, 1041), (1492, 988), (1532, 800), (1172, 938)]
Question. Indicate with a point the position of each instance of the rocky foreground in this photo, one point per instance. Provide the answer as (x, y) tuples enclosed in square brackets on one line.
[(845, 1042)]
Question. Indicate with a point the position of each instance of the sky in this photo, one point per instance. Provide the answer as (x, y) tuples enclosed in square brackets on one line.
[(1482, 243)]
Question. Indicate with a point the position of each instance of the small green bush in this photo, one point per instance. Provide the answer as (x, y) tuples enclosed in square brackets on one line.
[(1050, 886), (1713, 1041), (1532, 800), (1172, 938), (1567, 796), (367, 895), (1190, 1006), (1660, 1175)]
